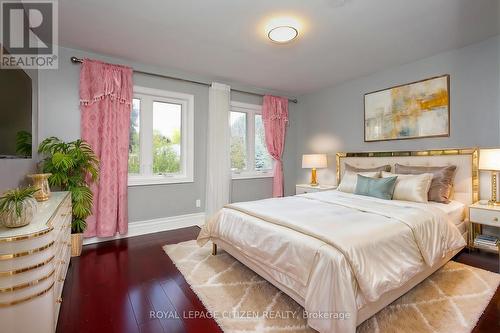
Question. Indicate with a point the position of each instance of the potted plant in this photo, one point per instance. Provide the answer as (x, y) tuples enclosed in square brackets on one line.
[(74, 166), (17, 207)]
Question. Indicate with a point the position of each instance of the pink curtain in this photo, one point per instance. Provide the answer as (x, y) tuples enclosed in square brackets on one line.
[(275, 117), (105, 103)]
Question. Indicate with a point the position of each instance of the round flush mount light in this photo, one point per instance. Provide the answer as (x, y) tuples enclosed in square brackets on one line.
[(282, 34), (282, 30)]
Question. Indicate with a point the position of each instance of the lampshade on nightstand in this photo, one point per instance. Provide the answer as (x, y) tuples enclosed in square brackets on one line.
[(489, 160), (313, 162)]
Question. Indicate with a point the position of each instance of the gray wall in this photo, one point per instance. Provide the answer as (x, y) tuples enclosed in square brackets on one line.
[(331, 120), (60, 116)]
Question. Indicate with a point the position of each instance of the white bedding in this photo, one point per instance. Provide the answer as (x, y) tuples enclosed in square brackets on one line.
[(455, 210), (336, 250)]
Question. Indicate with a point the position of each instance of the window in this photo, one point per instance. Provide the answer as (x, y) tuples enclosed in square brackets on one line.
[(249, 156), (161, 143)]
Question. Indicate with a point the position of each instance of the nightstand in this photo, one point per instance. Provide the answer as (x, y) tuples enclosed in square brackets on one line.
[(306, 188), (480, 215)]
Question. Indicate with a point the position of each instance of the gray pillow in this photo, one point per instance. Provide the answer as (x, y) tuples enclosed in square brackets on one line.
[(386, 168), (382, 188), (442, 180)]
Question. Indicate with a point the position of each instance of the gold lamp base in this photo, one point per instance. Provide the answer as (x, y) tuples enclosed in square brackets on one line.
[(493, 201), (314, 180)]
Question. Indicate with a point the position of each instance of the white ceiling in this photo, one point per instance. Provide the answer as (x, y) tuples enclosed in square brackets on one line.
[(224, 39)]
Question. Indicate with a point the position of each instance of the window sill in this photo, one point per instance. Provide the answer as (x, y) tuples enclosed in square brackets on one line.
[(158, 180), (252, 175)]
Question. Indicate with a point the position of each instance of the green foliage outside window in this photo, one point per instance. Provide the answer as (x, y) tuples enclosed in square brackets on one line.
[(238, 155), (165, 157)]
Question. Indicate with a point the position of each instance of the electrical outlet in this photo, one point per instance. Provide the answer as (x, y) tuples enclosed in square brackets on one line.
[(198, 203)]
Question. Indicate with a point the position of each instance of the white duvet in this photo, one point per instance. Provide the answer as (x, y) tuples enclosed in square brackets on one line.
[(336, 250)]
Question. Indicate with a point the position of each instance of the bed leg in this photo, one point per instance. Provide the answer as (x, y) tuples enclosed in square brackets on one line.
[(214, 249)]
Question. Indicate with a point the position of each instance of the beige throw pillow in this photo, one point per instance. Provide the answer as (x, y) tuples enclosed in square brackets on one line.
[(350, 178), (411, 187), (442, 182), (349, 167)]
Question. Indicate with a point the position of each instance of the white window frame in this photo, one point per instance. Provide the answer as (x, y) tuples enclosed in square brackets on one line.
[(147, 97), (251, 110)]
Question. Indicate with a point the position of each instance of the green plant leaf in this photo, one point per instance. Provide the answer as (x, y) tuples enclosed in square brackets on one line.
[(82, 195), (81, 210), (58, 179), (78, 226), (16, 197), (62, 161), (74, 166)]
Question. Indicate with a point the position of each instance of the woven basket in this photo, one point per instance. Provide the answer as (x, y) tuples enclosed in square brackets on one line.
[(76, 244)]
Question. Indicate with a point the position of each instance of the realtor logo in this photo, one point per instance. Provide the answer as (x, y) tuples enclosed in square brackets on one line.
[(29, 34)]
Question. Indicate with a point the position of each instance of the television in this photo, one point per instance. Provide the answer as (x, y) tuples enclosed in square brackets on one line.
[(16, 95)]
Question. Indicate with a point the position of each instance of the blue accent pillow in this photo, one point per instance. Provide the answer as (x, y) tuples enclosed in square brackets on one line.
[(382, 188)]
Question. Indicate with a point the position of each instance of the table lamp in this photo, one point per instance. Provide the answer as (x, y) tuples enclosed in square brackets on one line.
[(314, 161), (489, 160)]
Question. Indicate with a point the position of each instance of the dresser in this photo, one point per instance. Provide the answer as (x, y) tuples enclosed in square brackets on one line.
[(33, 263)]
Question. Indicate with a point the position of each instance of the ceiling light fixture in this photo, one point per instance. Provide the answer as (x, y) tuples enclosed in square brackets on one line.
[(282, 34), (282, 29)]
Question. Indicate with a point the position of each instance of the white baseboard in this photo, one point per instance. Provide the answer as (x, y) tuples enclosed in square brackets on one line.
[(156, 225)]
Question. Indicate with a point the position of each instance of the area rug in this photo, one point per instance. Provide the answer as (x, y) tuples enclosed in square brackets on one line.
[(450, 300)]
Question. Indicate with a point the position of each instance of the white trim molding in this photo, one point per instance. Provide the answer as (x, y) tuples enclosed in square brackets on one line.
[(139, 228), (251, 110), (245, 107), (221, 86), (186, 101), (252, 174)]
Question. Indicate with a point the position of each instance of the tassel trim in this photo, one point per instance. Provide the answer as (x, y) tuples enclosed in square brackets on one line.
[(113, 97), (278, 117)]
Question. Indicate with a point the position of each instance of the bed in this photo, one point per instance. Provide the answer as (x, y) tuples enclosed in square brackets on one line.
[(342, 256)]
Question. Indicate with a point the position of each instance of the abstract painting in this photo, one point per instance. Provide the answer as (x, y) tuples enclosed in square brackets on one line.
[(413, 110)]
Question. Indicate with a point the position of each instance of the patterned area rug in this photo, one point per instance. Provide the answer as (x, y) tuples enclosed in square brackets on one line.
[(450, 300)]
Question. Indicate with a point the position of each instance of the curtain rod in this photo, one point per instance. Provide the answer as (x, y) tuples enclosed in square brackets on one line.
[(76, 60)]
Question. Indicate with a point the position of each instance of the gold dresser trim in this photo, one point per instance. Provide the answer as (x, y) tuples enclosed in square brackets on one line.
[(474, 152), (27, 284), (26, 253), (26, 269), (39, 233), (26, 237), (28, 298)]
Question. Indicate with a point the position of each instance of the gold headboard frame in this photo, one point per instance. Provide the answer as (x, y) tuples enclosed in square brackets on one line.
[(474, 152)]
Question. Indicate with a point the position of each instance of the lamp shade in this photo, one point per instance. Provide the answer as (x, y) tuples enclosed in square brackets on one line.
[(310, 161), (489, 159)]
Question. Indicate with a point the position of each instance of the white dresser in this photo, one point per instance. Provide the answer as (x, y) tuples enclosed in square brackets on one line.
[(33, 263)]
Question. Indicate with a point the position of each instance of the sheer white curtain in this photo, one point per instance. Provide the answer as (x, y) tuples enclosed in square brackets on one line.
[(218, 190)]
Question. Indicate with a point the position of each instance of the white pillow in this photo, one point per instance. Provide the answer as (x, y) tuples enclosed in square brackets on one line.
[(411, 187), (350, 178)]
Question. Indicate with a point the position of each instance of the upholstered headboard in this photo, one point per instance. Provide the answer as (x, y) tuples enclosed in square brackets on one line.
[(466, 187)]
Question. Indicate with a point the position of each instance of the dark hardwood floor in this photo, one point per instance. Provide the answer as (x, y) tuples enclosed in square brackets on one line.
[(114, 287)]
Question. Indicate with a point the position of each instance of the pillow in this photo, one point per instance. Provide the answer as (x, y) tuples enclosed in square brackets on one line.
[(349, 167), (382, 188), (411, 187), (442, 181), (348, 182)]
